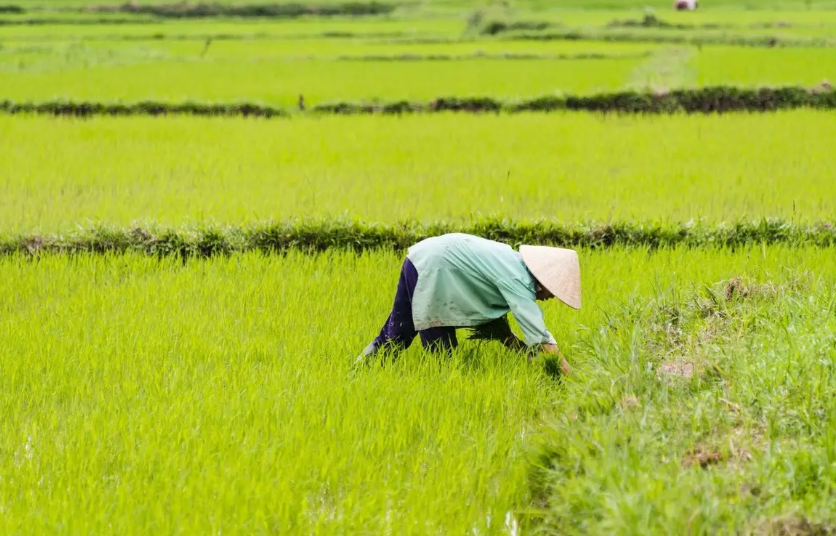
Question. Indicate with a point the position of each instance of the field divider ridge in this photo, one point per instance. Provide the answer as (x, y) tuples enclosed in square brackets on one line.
[(199, 10), (716, 99), (681, 38), (323, 235)]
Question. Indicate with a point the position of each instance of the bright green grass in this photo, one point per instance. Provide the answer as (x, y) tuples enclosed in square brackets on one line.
[(744, 66), (56, 173), (140, 397), (334, 48), (450, 23), (277, 71), (54, 56), (280, 83), (258, 28), (685, 66), (745, 380), (215, 397), (802, 36)]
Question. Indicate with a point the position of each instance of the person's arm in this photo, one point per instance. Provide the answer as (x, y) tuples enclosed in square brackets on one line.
[(529, 316), (521, 300)]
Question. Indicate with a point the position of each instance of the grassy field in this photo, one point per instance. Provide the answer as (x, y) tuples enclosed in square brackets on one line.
[(131, 408), (282, 82), (276, 72), (708, 412), (147, 393), (66, 54), (423, 168), (259, 28), (745, 66)]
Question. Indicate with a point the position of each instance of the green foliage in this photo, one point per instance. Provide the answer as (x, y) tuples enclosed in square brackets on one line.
[(183, 389), (702, 100), (317, 236), (185, 171), (497, 27), (279, 83), (87, 21), (159, 395), (150, 108), (279, 11), (682, 38), (485, 56), (727, 389), (652, 21), (142, 394)]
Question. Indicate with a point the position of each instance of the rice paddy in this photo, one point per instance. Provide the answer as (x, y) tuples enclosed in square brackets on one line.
[(277, 72), (223, 386), (151, 393), (418, 168)]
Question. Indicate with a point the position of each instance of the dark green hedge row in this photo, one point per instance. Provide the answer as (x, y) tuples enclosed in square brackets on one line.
[(88, 109), (86, 21), (703, 100), (282, 11), (498, 27), (324, 235), (11, 9), (400, 37), (652, 21), (679, 38)]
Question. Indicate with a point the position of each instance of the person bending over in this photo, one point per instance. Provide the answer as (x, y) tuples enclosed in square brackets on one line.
[(463, 281)]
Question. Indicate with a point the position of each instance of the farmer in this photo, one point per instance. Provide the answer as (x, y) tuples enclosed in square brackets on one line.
[(458, 280)]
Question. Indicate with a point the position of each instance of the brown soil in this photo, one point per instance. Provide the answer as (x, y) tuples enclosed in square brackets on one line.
[(683, 369), (793, 526), (702, 456)]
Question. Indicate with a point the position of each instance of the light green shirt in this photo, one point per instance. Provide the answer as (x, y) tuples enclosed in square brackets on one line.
[(465, 281)]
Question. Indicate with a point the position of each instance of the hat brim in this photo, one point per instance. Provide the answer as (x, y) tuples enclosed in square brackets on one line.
[(557, 270)]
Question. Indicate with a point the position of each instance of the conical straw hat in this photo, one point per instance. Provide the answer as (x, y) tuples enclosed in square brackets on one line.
[(556, 269)]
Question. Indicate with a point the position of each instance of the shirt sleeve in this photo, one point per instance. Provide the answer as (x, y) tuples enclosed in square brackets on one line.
[(521, 301)]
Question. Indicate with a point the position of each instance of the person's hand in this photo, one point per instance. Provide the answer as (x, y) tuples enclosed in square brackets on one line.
[(565, 368)]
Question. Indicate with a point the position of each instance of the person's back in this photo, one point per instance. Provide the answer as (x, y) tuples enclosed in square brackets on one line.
[(458, 251), (465, 281)]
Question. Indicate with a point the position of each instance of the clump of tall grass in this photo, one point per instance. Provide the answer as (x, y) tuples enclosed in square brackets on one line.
[(725, 388)]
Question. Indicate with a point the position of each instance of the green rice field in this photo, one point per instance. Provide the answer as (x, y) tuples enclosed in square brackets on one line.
[(419, 168), (146, 391), (278, 71), (223, 387)]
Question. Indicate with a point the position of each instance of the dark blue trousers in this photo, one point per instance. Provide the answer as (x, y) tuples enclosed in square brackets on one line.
[(399, 331)]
